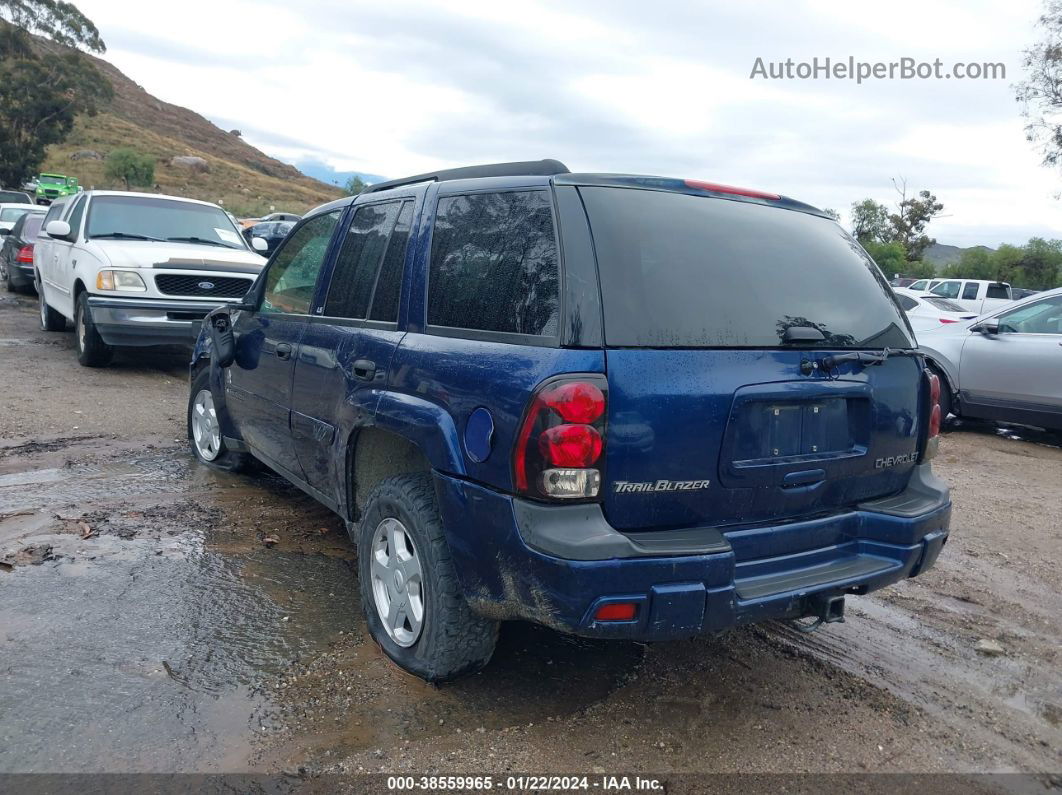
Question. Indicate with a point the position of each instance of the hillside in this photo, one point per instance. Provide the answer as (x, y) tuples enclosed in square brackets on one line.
[(942, 255), (247, 181)]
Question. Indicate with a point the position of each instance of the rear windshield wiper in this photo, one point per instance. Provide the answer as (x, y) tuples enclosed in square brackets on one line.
[(204, 240), (865, 357), (127, 236)]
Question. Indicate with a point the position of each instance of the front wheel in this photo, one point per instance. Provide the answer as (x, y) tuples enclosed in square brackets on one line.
[(204, 428), (413, 602), (92, 351)]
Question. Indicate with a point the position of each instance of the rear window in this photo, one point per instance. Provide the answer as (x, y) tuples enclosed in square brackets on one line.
[(944, 304), (32, 225), (690, 271)]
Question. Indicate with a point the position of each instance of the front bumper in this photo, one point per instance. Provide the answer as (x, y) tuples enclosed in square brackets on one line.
[(555, 565), (141, 322)]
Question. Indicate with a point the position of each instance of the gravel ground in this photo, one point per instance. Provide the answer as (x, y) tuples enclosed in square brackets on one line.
[(207, 622)]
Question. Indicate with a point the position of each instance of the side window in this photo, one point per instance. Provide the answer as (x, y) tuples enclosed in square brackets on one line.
[(969, 291), (919, 285), (906, 302), (1042, 317), (292, 276), (947, 289), (997, 290), (494, 263), (75, 216), (53, 214), (359, 260), (389, 282)]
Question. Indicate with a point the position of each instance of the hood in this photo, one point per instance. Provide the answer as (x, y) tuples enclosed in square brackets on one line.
[(149, 254)]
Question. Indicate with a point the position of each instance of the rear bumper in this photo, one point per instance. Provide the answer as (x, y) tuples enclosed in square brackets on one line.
[(21, 274), (555, 565), (141, 322)]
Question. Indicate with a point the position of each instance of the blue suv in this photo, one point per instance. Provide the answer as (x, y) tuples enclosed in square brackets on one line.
[(619, 406)]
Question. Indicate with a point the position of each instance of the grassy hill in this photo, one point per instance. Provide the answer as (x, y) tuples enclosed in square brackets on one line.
[(942, 255), (247, 181)]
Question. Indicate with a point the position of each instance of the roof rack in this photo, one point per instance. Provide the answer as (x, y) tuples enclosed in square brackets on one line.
[(527, 168)]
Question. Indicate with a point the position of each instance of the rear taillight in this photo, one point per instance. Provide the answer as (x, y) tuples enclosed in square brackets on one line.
[(561, 440), (25, 254), (933, 431), (947, 320)]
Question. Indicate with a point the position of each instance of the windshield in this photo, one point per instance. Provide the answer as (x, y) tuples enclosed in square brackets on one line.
[(689, 271), (47, 179), (147, 218), (14, 213)]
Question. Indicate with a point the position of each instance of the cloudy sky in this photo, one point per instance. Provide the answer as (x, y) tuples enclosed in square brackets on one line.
[(660, 87)]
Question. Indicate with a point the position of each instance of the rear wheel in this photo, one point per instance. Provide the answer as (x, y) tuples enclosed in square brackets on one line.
[(50, 319), (413, 602), (92, 351), (204, 428)]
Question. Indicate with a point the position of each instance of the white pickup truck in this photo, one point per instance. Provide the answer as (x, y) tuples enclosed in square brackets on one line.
[(137, 269), (975, 295)]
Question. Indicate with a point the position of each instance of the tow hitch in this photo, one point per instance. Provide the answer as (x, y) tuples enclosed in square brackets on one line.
[(824, 610)]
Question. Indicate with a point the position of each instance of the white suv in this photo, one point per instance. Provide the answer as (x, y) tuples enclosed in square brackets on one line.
[(137, 269)]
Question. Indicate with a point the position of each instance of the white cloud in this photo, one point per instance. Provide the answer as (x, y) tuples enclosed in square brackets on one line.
[(616, 85)]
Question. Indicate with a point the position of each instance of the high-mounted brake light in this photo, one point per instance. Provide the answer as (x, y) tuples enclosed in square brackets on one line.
[(562, 439), (25, 254), (697, 184)]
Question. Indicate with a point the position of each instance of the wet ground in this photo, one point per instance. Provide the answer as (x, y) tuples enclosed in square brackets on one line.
[(159, 616)]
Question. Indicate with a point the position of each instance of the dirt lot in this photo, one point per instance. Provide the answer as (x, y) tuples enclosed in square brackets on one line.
[(145, 626)]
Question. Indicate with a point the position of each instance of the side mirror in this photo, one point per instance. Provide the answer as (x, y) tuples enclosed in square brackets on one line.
[(5, 230), (58, 229), (259, 244), (989, 328)]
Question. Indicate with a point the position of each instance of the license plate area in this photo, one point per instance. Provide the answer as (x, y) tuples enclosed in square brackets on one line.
[(774, 431)]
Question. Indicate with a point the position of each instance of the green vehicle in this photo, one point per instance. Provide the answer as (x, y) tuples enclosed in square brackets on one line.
[(52, 186)]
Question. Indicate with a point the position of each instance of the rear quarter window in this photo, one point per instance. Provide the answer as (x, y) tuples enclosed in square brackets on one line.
[(494, 264), (690, 271)]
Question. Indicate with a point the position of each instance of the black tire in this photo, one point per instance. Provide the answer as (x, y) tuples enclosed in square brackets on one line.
[(92, 351), (225, 459), (947, 404), (50, 319), (453, 640)]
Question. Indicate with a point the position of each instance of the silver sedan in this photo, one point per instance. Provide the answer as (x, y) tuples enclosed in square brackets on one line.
[(1005, 365)]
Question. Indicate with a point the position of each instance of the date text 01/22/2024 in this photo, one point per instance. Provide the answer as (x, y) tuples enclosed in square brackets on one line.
[(603, 783)]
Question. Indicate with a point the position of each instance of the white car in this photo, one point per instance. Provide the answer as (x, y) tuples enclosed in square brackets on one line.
[(974, 295), (927, 312), (11, 212), (1006, 365), (137, 269)]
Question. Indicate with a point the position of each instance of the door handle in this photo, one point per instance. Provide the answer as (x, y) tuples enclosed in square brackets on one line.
[(283, 350), (364, 369)]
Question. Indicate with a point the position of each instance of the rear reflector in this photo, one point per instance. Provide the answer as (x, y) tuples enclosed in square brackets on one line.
[(697, 184), (618, 611)]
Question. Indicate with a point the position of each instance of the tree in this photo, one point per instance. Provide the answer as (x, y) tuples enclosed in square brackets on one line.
[(911, 218), (355, 185), (1040, 94), (832, 213), (130, 166), (870, 222), (44, 83), (890, 257)]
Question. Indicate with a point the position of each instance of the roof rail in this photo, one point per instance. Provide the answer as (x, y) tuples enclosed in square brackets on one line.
[(527, 168)]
